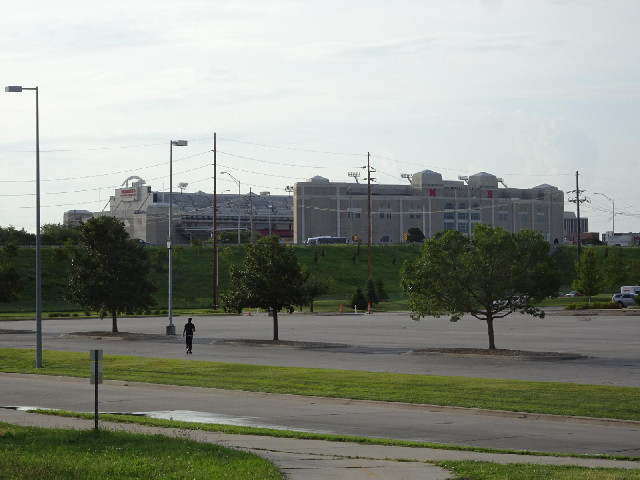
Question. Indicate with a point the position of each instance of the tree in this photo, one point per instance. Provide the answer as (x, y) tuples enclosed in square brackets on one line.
[(359, 300), (370, 288), (590, 281), (270, 278), (415, 235), (110, 273), (314, 286), (488, 276), (58, 234), (18, 237)]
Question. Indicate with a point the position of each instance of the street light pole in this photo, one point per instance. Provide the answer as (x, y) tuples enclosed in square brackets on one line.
[(613, 212), (171, 328), (239, 198), (16, 88)]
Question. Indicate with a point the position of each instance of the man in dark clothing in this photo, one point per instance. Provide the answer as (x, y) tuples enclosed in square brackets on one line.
[(189, 328)]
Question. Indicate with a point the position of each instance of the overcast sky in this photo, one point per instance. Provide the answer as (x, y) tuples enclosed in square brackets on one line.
[(530, 91)]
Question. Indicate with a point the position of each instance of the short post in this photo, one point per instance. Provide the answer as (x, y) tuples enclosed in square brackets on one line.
[(96, 378)]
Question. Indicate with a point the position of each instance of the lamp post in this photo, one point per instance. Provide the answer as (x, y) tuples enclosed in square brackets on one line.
[(613, 212), (16, 88), (270, 210), (171, 328), (238, 183)]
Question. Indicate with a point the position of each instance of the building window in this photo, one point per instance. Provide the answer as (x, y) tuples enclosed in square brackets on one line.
[(541, 216), (524, 216), (381, 214), (503, 217), (449, 226), (462, 215), (475, 215), (448, 206), (462, 206), (385, 239), (463, 227), (449, 215)]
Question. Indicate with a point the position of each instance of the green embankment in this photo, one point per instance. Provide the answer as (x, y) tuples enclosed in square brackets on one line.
[(193, 272)]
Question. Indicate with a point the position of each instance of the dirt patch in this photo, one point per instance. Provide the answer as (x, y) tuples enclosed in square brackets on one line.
[(121, 335), (502, 352), (281, 343)]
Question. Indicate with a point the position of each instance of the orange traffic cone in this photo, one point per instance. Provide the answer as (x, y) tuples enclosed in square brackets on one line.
[(249, 311), (368, 307), (340, 307)]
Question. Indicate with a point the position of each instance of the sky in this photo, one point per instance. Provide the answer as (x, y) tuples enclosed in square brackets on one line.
[(530, 91)]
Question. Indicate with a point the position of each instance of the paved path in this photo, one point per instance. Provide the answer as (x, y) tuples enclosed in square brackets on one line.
[(321, 460)]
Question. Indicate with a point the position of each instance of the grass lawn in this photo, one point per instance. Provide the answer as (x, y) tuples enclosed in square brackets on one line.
[(470, 470), (30, 453), (511, 395)]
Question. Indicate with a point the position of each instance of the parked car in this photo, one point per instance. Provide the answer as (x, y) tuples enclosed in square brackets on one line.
[(624, 299), (572, 294)]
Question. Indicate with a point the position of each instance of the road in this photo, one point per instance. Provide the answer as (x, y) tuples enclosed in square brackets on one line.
[(596, 349)]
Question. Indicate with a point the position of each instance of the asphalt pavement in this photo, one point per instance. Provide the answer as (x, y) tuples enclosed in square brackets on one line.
[(590, 349)]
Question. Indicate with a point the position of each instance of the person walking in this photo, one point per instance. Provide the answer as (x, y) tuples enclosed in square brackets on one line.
[(188, 330)]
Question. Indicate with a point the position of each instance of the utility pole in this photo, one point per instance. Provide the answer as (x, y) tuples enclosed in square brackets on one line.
[(578, 201), (215, 227), (369, 179), (251, 212)]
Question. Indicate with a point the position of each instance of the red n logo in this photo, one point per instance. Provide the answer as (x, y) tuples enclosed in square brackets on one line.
[(432, 192), (489, 193)]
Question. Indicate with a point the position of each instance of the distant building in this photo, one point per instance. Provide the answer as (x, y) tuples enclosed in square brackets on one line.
[(339, 209), (621, 239), (570, 225), (76, 217), (145, 213)]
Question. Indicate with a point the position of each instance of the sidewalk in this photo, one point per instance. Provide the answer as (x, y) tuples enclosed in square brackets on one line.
[(321, 460)]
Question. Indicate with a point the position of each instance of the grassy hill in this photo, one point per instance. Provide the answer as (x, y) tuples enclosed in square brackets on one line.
[(193, 272)]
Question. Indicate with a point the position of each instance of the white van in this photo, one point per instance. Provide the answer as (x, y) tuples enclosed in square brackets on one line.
[(635, 289)]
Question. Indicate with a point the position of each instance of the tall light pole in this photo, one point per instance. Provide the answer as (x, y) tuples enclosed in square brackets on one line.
[(16, 88), (171, 328), (239, 198), (613, 212)]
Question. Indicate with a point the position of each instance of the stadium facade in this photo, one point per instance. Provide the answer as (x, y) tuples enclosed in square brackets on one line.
[(429, 203), (320, 207), (145, 213)]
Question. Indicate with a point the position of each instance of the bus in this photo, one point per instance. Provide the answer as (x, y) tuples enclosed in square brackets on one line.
[(325, 240)]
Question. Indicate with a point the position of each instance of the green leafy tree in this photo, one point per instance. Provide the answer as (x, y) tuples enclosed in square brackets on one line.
[(110, 273), (313, 287), (489, 276), (270, 278), (590, 280), (17, 237), (58, 234), (415, 235)]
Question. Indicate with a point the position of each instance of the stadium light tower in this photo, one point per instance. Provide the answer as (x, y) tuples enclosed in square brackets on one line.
[(17, 88), (355, 175), (171, 328)]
